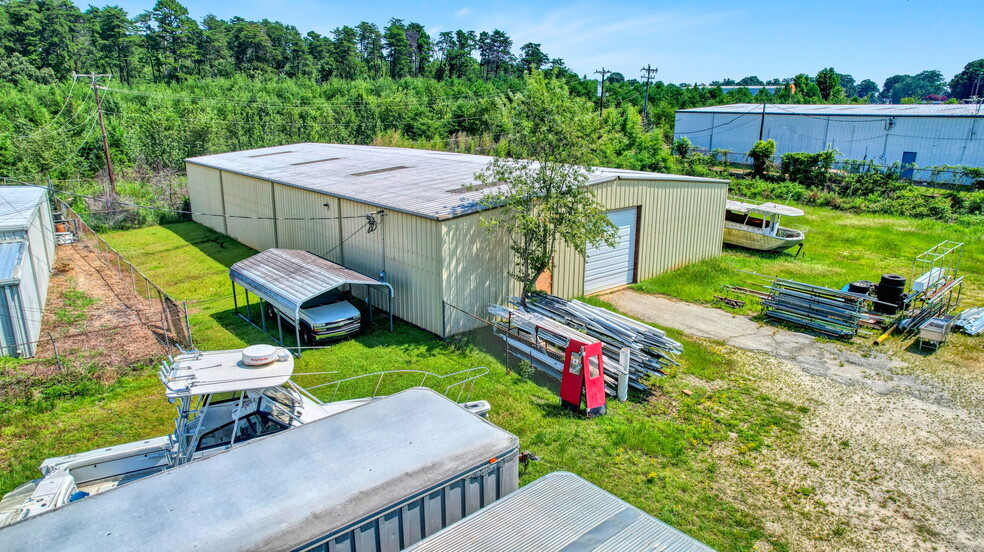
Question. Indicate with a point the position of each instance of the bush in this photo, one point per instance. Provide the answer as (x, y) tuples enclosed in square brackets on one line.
[(762, 153), (809, 169)]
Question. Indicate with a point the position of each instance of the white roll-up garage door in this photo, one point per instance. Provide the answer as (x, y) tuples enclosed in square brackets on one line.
[(608, 267)]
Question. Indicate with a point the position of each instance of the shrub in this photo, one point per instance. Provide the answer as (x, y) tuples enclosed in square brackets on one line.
[(762, 153), (809, 169)]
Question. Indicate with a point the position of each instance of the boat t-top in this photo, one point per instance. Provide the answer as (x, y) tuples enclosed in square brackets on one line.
[(756, 226), (223, 398)]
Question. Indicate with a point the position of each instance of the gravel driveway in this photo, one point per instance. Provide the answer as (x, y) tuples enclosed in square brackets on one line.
[(889, 458)]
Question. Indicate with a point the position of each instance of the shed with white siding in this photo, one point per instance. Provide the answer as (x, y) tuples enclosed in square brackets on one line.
[(428, 242), (917, 135)]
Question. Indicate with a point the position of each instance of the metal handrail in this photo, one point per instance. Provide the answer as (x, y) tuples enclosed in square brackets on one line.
[(476, 373)]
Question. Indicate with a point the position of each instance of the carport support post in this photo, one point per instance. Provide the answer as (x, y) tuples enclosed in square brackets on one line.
[(248, 315), (235, 300), (262, 315), (297, 328), (280, 330)]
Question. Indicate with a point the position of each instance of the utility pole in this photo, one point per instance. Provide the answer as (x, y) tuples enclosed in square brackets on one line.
[(603, 72), (649, 73), (762, 124), (94, 77)]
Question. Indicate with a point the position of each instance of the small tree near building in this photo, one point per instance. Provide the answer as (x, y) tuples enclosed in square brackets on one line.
[(539, 197), (761, 154)]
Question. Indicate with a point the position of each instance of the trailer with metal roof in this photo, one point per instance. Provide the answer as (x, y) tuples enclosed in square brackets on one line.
[(424, 228), (563, 512), (378, 477), (27, 253)]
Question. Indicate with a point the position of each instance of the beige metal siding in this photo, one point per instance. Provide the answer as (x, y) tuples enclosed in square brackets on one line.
[(679, 223), (317, 236), (412, 261), (205, 192), (476, 269), (250, 197)]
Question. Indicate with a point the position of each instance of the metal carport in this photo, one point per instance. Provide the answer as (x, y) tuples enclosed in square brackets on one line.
[(288, 278)]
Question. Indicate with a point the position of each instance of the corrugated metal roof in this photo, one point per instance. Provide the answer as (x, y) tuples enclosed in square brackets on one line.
[(559, 511), (864, 110), (420, 182), (11, 257), (18, 205), (284, 490), (288, 277)]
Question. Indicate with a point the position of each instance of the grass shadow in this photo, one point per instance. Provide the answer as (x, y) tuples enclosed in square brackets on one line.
[(219, 247)]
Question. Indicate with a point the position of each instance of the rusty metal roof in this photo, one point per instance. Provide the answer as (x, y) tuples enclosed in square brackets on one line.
[(289, 277), (431, 184)]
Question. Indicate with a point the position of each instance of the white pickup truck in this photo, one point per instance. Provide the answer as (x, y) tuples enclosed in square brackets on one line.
[(331, 318)]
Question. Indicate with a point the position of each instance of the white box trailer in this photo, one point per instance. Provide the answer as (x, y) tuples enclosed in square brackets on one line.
[(379, 477)]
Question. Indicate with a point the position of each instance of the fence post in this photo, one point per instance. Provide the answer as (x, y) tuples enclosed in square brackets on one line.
[(55, 348), (191, 340)]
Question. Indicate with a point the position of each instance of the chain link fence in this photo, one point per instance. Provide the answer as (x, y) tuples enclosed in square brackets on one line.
[(175, 328), (480, 333)]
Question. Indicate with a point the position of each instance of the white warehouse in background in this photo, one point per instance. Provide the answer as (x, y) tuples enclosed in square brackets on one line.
[(919, 135)]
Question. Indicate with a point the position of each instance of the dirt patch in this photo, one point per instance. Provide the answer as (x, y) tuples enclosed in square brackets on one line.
[(890, 457), (94, 320)]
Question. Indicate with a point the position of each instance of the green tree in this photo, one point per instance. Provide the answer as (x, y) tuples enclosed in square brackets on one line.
[(968, 82), (532, 57), (916, 86), (750, 81), (371, 48), (343, 53), (761, 154), (867, 89), (420, 48), (828, 81), (540, 198), (114, 40), (807, 91), (397, 49)]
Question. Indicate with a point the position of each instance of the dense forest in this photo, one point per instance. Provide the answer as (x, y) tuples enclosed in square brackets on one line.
[(182, 87)]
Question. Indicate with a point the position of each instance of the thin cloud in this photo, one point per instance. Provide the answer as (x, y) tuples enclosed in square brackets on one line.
[(462, 12)]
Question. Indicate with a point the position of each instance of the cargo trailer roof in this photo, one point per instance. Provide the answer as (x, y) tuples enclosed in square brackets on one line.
[(282, 491), (18, 205), (559, 511), (431, 184)]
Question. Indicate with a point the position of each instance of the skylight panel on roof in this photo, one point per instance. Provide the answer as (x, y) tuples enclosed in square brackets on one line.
[(313, 161), (377, 171), (274, 153)]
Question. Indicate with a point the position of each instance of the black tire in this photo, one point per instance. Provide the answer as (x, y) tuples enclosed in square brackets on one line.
[(307, 336), (892, 280)]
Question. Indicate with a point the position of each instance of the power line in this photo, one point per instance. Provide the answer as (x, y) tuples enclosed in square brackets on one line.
[(602, 72), (95, 90), (649, 74)]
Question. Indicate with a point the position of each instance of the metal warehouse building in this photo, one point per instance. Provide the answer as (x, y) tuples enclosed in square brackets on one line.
[(429, 244), (27, 253), (924, 135)]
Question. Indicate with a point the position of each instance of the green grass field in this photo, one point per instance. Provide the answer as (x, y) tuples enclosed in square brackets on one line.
[(840, 248), (652, 451)]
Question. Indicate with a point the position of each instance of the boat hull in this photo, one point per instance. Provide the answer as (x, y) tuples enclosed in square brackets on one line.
[(751, 239)]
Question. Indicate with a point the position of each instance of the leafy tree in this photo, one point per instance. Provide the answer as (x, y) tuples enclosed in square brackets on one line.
[(371, 47), (968, 82), (532, 57), (913, 86), (828, 82), (397, 49), (750, 81), (420, 48), (540, 199), (849, 85), (495, 52), (806, 91), (114, 40), (343, 54), (867, 89), (761, 154)]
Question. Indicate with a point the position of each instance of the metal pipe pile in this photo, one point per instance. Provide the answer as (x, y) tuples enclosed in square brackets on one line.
[(971, 321), (829, 311), (933, 304), (651, 350)]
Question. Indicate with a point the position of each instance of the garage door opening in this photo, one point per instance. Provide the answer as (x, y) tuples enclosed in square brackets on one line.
[(607, 267)]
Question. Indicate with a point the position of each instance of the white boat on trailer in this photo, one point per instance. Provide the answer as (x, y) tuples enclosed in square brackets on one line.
[(223, 398), (756, 226)]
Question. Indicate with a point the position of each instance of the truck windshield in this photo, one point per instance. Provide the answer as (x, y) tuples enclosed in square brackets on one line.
[(326, 299)]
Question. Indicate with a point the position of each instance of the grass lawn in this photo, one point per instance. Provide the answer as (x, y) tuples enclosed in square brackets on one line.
[(840, 248), (654, 451)]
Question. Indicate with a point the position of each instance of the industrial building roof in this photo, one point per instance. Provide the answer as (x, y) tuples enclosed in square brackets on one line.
[(18, 205), (860, 110), (289, 277), (11, 257), (559, 511), (425, 183)]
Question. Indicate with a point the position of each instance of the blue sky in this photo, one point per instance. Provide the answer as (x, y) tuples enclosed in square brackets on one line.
[(687, 41)]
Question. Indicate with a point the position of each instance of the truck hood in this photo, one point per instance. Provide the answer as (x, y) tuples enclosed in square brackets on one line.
[(332, 312)]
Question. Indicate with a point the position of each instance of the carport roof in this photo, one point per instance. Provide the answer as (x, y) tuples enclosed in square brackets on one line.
[(11, 257), (18, 205), (431, 184), (289, 277)]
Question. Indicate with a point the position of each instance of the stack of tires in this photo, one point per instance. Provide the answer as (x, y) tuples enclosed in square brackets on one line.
[(891, 289), (864, 287)]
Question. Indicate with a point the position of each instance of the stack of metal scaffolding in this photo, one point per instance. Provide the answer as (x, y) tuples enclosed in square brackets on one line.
[(651, 350), (829, 311), (971, 321)]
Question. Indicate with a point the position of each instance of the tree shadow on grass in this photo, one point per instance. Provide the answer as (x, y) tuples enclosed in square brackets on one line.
[(219, 247)]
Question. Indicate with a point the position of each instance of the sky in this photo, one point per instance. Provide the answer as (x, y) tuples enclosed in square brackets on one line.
[(687, 41)]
